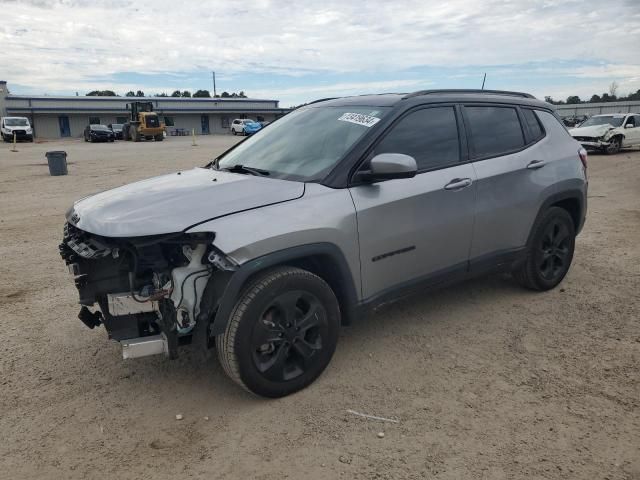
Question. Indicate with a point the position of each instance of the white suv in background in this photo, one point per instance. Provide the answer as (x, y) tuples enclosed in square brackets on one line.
[(237, 126), (609, 133)]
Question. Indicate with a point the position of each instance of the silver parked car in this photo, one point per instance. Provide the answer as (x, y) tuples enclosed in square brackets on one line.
[(336, 208)]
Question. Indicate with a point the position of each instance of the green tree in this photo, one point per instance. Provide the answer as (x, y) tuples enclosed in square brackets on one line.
[(595, 99), (573, 99), (139, 93), (202, 94), (242, 94), (176, 93), (130, 93), (225, 95), (186, 93), (163, 94), (101, 93)]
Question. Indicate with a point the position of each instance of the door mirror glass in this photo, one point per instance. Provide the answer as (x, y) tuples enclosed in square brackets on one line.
[(388, 166), (629, 125)]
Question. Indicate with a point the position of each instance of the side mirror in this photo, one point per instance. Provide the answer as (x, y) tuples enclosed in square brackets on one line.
[(629, 125), (388, 166)]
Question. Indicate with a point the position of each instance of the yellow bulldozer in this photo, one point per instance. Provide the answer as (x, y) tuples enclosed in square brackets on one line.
[(143, 123)]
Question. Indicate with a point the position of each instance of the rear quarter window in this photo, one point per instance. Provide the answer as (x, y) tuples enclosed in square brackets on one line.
[(493, 131), (533, 124)]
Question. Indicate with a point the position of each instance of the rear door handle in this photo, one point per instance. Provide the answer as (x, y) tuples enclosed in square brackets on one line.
[(458, 184), (536, 164)]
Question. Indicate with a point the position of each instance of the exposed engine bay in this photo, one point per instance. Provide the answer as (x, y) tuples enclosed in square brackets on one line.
[(151, 293)]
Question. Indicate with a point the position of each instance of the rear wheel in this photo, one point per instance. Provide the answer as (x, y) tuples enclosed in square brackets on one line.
[(233, 130), (615, 144), (550, 253), (159, 138), (282, 333)]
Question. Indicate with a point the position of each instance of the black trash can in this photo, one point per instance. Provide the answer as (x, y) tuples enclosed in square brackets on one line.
[(57, 162)]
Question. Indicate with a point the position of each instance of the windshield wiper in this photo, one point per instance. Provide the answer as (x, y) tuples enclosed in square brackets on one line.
[(250, 170)]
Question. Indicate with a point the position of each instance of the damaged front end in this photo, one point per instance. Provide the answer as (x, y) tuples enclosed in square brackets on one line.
[(152, 294)]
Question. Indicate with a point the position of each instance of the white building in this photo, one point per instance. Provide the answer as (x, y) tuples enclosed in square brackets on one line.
[(55, 117)]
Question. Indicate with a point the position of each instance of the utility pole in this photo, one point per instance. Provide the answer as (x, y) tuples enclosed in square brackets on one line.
[(215, 94), (485, 77)]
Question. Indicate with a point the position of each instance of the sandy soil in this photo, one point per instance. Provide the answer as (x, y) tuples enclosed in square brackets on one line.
[(488, 381)]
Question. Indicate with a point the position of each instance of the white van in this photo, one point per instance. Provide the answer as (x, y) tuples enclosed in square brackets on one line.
[(18, 125)]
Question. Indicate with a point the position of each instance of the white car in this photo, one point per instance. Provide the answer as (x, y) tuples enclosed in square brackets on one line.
[(19, 126), (237, 126), (609, 133)]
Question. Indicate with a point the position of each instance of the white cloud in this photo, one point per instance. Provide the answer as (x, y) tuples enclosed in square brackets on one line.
[(78, 45)]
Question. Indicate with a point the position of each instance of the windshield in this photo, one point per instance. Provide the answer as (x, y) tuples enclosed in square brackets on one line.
[(305, 144), (16, 122), (99, 127), (614, 121), (116, 125)]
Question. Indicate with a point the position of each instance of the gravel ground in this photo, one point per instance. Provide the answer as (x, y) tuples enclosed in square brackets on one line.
[(488, 381)]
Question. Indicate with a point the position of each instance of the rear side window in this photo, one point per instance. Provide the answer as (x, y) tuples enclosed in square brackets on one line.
[(494, 131), (429, 135), (535, 129)]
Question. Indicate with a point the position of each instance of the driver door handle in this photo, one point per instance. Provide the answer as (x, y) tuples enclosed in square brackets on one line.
[(458, 184), (535, 164)]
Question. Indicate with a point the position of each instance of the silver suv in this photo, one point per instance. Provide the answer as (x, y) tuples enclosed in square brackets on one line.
[(334, 209)]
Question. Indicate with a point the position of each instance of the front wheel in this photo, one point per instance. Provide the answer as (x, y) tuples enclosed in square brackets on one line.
[(281, 334), (615, 144), (550, 253)]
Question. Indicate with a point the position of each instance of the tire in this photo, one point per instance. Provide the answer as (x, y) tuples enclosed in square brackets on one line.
[(615, 144), (550, 252), (135, 136), (159, 138), (85, 138), (233, 130), (281, 334), (244, 132)]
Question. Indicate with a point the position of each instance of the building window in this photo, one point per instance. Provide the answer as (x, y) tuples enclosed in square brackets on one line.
[(260, 118), (94, 120), (121, 120), (168, 121), (224, 122)]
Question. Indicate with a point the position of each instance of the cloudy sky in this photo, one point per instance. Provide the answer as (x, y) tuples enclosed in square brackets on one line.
[(298, 51)]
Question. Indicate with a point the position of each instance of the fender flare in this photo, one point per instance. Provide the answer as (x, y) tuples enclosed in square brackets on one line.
[(571, 194), (347, 296)]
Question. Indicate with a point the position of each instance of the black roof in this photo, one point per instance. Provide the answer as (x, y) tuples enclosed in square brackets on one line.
[(436, 96)]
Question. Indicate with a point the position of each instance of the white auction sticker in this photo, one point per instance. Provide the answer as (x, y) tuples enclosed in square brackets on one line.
[(359, 119)]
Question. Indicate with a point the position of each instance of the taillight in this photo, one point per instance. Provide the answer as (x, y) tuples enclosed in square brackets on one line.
[(582, 153)]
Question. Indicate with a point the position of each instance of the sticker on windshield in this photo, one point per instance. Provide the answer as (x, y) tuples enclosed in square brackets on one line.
[(359, 119)]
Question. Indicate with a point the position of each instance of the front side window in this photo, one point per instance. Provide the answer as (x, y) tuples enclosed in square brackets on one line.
[(429, 135), (535, 129), (630, 121), (494, 130), (168, 121), (306, 144)]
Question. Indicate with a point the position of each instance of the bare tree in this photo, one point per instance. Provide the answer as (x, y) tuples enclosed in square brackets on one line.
[(613, 88)]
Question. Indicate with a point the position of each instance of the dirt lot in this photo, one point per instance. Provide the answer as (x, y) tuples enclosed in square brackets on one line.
[(488, 381)]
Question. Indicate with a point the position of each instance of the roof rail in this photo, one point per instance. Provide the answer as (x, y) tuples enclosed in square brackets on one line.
[(465, 90), (320, 100)]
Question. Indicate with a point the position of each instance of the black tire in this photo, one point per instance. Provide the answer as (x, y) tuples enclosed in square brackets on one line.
[(233, 131), (271, 350), (550, 253), (615, 144), (159, 138), (244, 132)]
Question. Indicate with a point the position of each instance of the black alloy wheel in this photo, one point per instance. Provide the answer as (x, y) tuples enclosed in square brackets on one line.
[(550, 251), (282, 332)]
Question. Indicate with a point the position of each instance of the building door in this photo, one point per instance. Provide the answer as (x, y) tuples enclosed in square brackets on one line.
[(63, 121), (204, 122)]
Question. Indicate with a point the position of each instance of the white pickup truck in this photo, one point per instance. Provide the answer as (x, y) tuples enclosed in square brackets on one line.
[(609, 133), (19, 126)]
